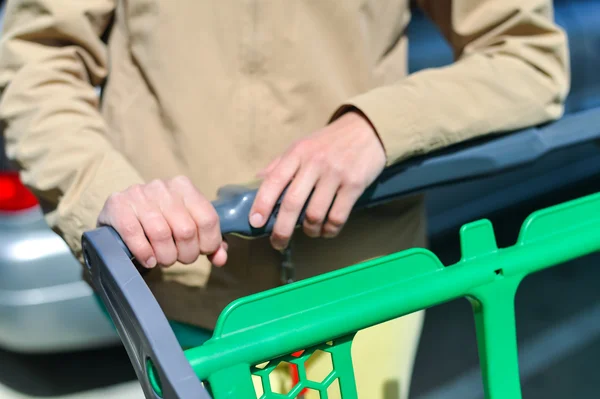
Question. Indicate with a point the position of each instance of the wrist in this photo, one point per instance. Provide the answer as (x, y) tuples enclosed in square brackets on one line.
[(358, 121)]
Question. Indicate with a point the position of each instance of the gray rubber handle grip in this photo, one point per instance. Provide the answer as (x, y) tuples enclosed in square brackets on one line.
[(144, 328)]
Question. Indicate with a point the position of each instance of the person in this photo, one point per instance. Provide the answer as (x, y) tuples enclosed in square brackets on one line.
[(314, 94)]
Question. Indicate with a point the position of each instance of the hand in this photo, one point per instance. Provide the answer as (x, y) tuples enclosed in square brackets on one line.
[(166, 221), (339, 162)]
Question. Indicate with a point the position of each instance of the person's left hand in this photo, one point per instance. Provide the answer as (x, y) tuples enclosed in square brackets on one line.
[(339, 162)]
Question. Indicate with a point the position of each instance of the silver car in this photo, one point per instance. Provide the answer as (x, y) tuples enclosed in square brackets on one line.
[(45, 306)]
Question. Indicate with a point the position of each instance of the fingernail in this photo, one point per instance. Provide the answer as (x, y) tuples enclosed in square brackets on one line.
[(151, 262), (256, 220)]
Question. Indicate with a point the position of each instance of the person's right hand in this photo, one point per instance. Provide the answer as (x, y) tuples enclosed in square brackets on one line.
[(166, 221)]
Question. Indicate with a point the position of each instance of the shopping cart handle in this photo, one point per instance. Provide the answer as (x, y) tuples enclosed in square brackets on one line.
[(139, 320), (473, 159), (142, 325)]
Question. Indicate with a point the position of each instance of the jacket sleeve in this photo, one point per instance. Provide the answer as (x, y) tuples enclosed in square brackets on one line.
[(51, 59), (511, 71)]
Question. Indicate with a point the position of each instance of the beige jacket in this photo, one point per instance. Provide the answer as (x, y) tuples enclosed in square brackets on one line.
[(215, 89)]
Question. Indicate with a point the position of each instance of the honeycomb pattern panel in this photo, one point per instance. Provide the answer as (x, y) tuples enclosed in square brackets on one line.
[(322, 380)]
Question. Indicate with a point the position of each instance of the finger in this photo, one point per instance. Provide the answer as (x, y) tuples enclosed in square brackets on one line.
[(123, 219), (184, 231), (203, 213), (340, 211), (153, 221), (319, 205), (219, 258), (271, 188), (292, 204), (269, 168)]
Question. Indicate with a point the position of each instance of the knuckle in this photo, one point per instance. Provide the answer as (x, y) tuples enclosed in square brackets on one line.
[(189, 257), (115, 199), (136, 191), (210, 247), (181, 180), (159, 232), (158, 185), (319, 158), (301, 146), (353, 182), (277, 178), (185, 232), (209, 221), (336, 220), (314, 217), (127, 229), (292, 202), (336, 169)]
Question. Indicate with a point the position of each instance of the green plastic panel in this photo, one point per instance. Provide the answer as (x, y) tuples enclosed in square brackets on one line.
[(269, 326)]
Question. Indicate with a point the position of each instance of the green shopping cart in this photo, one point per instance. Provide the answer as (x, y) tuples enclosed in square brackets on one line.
[(287, 324)]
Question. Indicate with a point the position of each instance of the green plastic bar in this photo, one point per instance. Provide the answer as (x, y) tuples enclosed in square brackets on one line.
[(307, 313), (497, 338)]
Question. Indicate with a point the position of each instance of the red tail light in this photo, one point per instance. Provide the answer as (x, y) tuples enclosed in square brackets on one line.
[(14, 196)]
